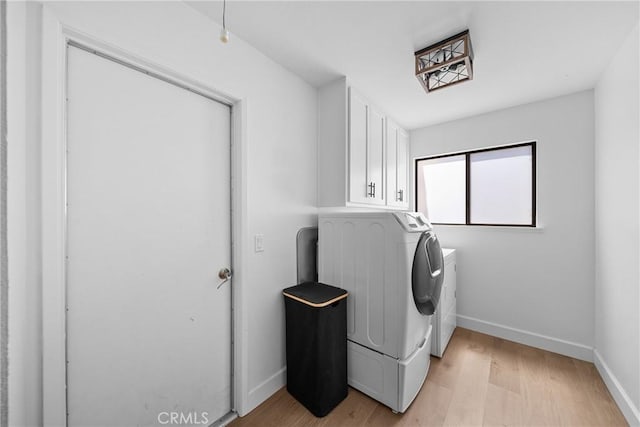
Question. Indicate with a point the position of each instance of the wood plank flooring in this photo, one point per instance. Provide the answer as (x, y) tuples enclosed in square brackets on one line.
[(481, 380)]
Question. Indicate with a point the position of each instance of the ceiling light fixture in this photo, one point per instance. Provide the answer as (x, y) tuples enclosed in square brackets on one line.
[(224, 34), (445, 63)]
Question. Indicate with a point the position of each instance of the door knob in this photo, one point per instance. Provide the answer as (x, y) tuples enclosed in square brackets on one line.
[(225, 275)]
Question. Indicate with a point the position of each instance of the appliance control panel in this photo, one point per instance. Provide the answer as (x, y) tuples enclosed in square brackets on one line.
[(413, 222)]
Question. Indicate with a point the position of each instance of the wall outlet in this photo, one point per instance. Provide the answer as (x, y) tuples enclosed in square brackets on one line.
[(259, 240)]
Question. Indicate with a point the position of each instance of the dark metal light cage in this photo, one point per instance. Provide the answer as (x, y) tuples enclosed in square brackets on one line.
[(445, 63)]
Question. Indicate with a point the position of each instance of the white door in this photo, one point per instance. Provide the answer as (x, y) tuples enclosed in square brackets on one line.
[(148, 228)]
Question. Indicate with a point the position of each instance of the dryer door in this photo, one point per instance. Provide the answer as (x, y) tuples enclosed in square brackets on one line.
[(428, 273)]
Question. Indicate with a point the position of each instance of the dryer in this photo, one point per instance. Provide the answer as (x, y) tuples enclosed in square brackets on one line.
[(392, 266)]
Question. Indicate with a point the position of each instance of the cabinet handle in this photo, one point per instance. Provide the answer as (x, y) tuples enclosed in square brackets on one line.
[(400, 196), (372, 189)]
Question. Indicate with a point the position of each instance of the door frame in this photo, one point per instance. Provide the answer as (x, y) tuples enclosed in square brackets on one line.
[(55, 37)]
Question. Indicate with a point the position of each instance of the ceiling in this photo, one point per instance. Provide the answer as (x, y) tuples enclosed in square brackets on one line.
[(524, 51)]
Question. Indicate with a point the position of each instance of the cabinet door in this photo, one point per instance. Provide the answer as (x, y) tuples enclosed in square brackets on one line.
[(375, 158), (397, 165), (358, 129), (392, 159), (402, 169)]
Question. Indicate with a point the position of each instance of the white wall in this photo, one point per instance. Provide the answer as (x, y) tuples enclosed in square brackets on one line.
[(4, 275), (25, 358), (530, 285), (617, 216), (280, 117)]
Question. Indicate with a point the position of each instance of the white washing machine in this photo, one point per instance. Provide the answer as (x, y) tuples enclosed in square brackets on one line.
[(392, 266)]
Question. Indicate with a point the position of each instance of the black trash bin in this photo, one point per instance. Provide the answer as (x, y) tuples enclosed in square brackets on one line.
[(316, 322)]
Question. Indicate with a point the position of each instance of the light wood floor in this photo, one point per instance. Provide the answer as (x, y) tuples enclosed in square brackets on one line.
[(481, 380)]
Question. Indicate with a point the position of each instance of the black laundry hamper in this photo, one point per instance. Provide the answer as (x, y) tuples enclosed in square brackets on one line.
[(316, 328)]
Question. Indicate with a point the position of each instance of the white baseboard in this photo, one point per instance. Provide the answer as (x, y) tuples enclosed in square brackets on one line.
[(555, 345), (265, 389), (629, 410)]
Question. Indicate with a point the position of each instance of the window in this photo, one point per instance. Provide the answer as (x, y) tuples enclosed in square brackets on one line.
[(494, 186), (442, 188)]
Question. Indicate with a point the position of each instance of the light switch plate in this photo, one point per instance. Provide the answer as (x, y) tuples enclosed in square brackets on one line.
[(259, 242)]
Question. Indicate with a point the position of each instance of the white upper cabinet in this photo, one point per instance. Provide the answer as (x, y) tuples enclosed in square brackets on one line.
[(402, 183), (397, 166), (353, 152), (375, 158), (358, 130)]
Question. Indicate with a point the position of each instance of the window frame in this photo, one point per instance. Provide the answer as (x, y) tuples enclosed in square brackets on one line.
[(467, 155)]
